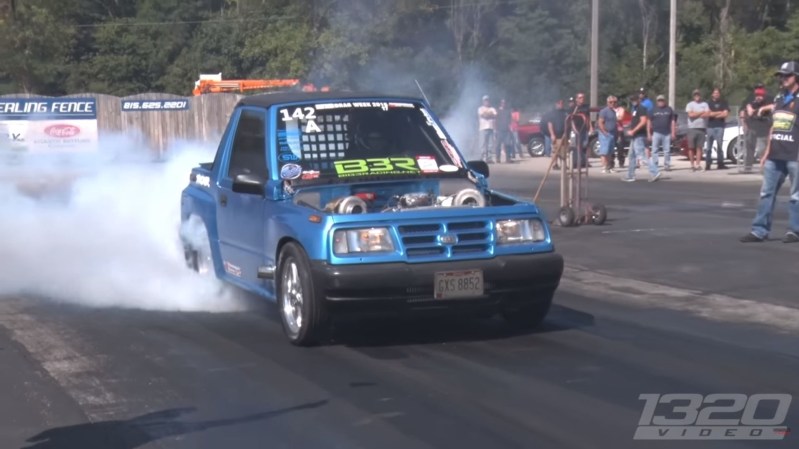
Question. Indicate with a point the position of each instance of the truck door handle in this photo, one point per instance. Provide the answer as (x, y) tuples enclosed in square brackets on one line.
[(223, 199)]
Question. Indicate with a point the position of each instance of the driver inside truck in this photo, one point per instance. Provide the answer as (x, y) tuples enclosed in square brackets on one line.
[(371, 135)]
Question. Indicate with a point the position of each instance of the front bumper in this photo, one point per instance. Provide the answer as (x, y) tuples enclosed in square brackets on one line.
[(517, 278)]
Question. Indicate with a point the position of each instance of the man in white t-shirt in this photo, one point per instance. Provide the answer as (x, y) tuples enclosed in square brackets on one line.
[(486, 116)]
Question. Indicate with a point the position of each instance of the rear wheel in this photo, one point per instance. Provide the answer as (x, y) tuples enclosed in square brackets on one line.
[(197, 246), (734, 151), (301, 308), (535, 147), (531, 315), (593, 144)]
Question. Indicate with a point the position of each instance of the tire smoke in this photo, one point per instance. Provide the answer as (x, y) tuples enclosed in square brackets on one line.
[(108, 237)]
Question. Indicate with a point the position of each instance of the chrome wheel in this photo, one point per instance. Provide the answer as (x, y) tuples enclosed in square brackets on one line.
[(535, 147), (291, 297)]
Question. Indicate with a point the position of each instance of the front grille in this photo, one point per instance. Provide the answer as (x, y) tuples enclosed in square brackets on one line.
[(422, 242)]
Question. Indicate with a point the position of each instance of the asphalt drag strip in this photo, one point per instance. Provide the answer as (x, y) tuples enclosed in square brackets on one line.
[(122, 379)]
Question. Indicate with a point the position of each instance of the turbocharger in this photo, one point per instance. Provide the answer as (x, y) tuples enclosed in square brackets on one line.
[(347, 205), (465, 197)]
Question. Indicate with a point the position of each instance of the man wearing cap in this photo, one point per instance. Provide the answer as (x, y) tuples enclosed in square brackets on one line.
[(781, 159), (644, 100), (698, 112), (638, 132), (662, 131), (553, 126), (756, 127), (717, 119), (607, 124), (486, 116), (582, 128)]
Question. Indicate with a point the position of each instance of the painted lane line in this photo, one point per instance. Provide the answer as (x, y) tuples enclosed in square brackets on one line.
[(59, 352), (631, 292)]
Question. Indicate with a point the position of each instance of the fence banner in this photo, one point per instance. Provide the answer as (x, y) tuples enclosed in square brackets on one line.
[(154, 105), (48, 125)]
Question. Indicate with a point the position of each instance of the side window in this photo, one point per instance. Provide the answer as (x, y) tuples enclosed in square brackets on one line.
[(248, 154)]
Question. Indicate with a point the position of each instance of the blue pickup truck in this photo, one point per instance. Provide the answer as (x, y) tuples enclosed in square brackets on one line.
[(328, 203)]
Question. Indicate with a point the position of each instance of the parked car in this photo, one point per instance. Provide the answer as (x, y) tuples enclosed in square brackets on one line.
[(531, 136), (732, 141), (324, 202)]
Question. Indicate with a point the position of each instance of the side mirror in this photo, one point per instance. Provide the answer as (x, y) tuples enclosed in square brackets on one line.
[(251, 184), (478, 166)]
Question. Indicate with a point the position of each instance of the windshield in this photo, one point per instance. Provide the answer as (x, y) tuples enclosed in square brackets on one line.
[(332, 141)]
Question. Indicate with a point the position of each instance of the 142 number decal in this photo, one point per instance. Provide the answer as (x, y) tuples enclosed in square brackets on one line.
[(307, 113)]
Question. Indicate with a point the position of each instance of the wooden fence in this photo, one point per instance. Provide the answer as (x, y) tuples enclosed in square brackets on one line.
[(204, 120)]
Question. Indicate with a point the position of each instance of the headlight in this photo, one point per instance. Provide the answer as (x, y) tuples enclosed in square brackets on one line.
[(373, 240), (520, 231)]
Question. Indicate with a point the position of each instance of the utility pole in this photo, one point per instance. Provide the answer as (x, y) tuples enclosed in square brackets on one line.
[(673, 53), (595, 53)]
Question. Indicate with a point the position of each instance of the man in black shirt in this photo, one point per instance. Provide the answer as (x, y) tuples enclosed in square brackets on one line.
[(582, 127), (504, 138), (553, 126), (756, 127), (719, 110), (781, 159), (638, 133), (663, 131)]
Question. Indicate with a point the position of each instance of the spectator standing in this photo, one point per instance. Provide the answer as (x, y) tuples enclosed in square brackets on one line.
[(486, 116), (663, 131), (638, 133), (607, 123), (582, 128), (621, 115), (717, 119), (515, 116), (756, 128), (781, 159), (503, 137), (643, 98), (698, 112), (553, 126)]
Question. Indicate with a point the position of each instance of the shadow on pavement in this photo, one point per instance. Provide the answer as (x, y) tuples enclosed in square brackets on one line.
[(141, 430), (384, 332)]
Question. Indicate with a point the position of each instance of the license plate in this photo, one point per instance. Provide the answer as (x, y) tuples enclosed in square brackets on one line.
[(458, 284)]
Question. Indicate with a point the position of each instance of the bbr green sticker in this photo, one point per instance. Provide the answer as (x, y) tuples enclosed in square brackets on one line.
[(376, 166)]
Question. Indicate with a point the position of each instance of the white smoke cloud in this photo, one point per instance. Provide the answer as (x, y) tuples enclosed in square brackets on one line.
[(115, 242), (460, 119)]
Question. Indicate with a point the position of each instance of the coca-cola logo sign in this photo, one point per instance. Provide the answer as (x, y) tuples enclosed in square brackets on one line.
[(62, 131)]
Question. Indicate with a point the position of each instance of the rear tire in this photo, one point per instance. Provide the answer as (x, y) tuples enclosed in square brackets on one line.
[(301, 309), (197, 246), (535, 147), (529, 316), (733, 151)]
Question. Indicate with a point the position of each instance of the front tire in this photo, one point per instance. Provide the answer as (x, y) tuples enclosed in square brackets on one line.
[(301, 308), (529, 316)]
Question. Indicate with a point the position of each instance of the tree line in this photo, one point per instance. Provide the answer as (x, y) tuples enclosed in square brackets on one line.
[(531, 51)]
